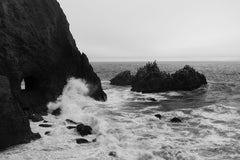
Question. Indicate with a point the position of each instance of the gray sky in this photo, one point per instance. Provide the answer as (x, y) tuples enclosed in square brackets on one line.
[(115, 30)]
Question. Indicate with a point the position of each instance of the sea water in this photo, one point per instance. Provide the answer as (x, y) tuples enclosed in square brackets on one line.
[(126, 124)]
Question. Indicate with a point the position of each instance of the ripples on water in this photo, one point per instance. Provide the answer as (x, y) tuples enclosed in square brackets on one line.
[(126, 124)]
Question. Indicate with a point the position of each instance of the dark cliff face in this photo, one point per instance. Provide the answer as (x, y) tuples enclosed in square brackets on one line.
[(36, 46)]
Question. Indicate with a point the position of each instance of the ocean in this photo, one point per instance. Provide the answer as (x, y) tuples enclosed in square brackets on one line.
[(126, 126)]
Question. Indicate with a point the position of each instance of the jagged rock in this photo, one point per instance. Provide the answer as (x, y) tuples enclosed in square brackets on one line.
[(84, 130), (152, 99), (45, 125), (47, 133), (81, 141), (176, 120), (158, 116), (57, 112), (71, 127), (71, 121), (122, 79), (149, 79), (37, 48), (36, 118), (14, 124), (113, 154), (36, 136)]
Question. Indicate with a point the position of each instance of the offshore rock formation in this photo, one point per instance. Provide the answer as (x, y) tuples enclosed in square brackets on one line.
[(122, 79), (36, 47), (149, 79)]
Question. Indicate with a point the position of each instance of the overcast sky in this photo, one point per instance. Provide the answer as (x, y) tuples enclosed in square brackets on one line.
[(115, 30)]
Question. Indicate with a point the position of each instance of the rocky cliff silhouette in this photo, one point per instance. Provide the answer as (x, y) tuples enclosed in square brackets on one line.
[(36, 47)]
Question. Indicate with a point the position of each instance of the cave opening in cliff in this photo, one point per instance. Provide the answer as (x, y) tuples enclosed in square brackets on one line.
[(30, 83)]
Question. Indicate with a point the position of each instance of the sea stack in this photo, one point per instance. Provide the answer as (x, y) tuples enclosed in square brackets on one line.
[(149, 79), (36, 47)]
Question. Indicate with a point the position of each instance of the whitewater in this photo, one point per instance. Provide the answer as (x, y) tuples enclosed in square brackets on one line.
[(126, 124)]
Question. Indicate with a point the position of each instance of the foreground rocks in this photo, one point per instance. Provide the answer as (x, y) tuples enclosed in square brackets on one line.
[(37, 48), (122, 79), (84, 130), (149, 79)]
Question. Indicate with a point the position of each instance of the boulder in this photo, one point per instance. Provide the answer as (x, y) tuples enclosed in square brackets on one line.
[(36, 136), (71, 121), (158, 116), (45, 125), (71, 127), (176, 120), (84, 130), (57, 112), (122, 79), (113, 154), (81, 141), (149, 79)]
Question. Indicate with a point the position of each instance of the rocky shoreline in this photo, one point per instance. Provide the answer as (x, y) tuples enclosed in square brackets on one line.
[(37, 48)]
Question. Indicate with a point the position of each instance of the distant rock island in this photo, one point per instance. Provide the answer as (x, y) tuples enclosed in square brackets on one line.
[(37, 48), (149, 79)]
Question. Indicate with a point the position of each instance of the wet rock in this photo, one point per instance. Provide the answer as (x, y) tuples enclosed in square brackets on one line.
[(71, 121), (152, 99), (47, 133), (94, 140), (113, 154), (84, 130), (81, 141), (149, 79), (37, 48), (36, 118), (122, 79), (57, 112), (71, 127), (176, 120), (45, 121), (36, 136), (45, 125), (158, 116)]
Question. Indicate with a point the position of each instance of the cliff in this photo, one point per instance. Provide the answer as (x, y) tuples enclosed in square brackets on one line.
[(36, 46)]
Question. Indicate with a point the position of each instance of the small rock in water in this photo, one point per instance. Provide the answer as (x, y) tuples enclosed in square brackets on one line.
[(152, 99), (81, 140), (71, 121), (45, 121), (71, 127), (94, 140), (36, 136), (158, 116), (176, 120), (45, 125), (57, 112), (113, 154), (84, 130), (36, 117), (47, 133)]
